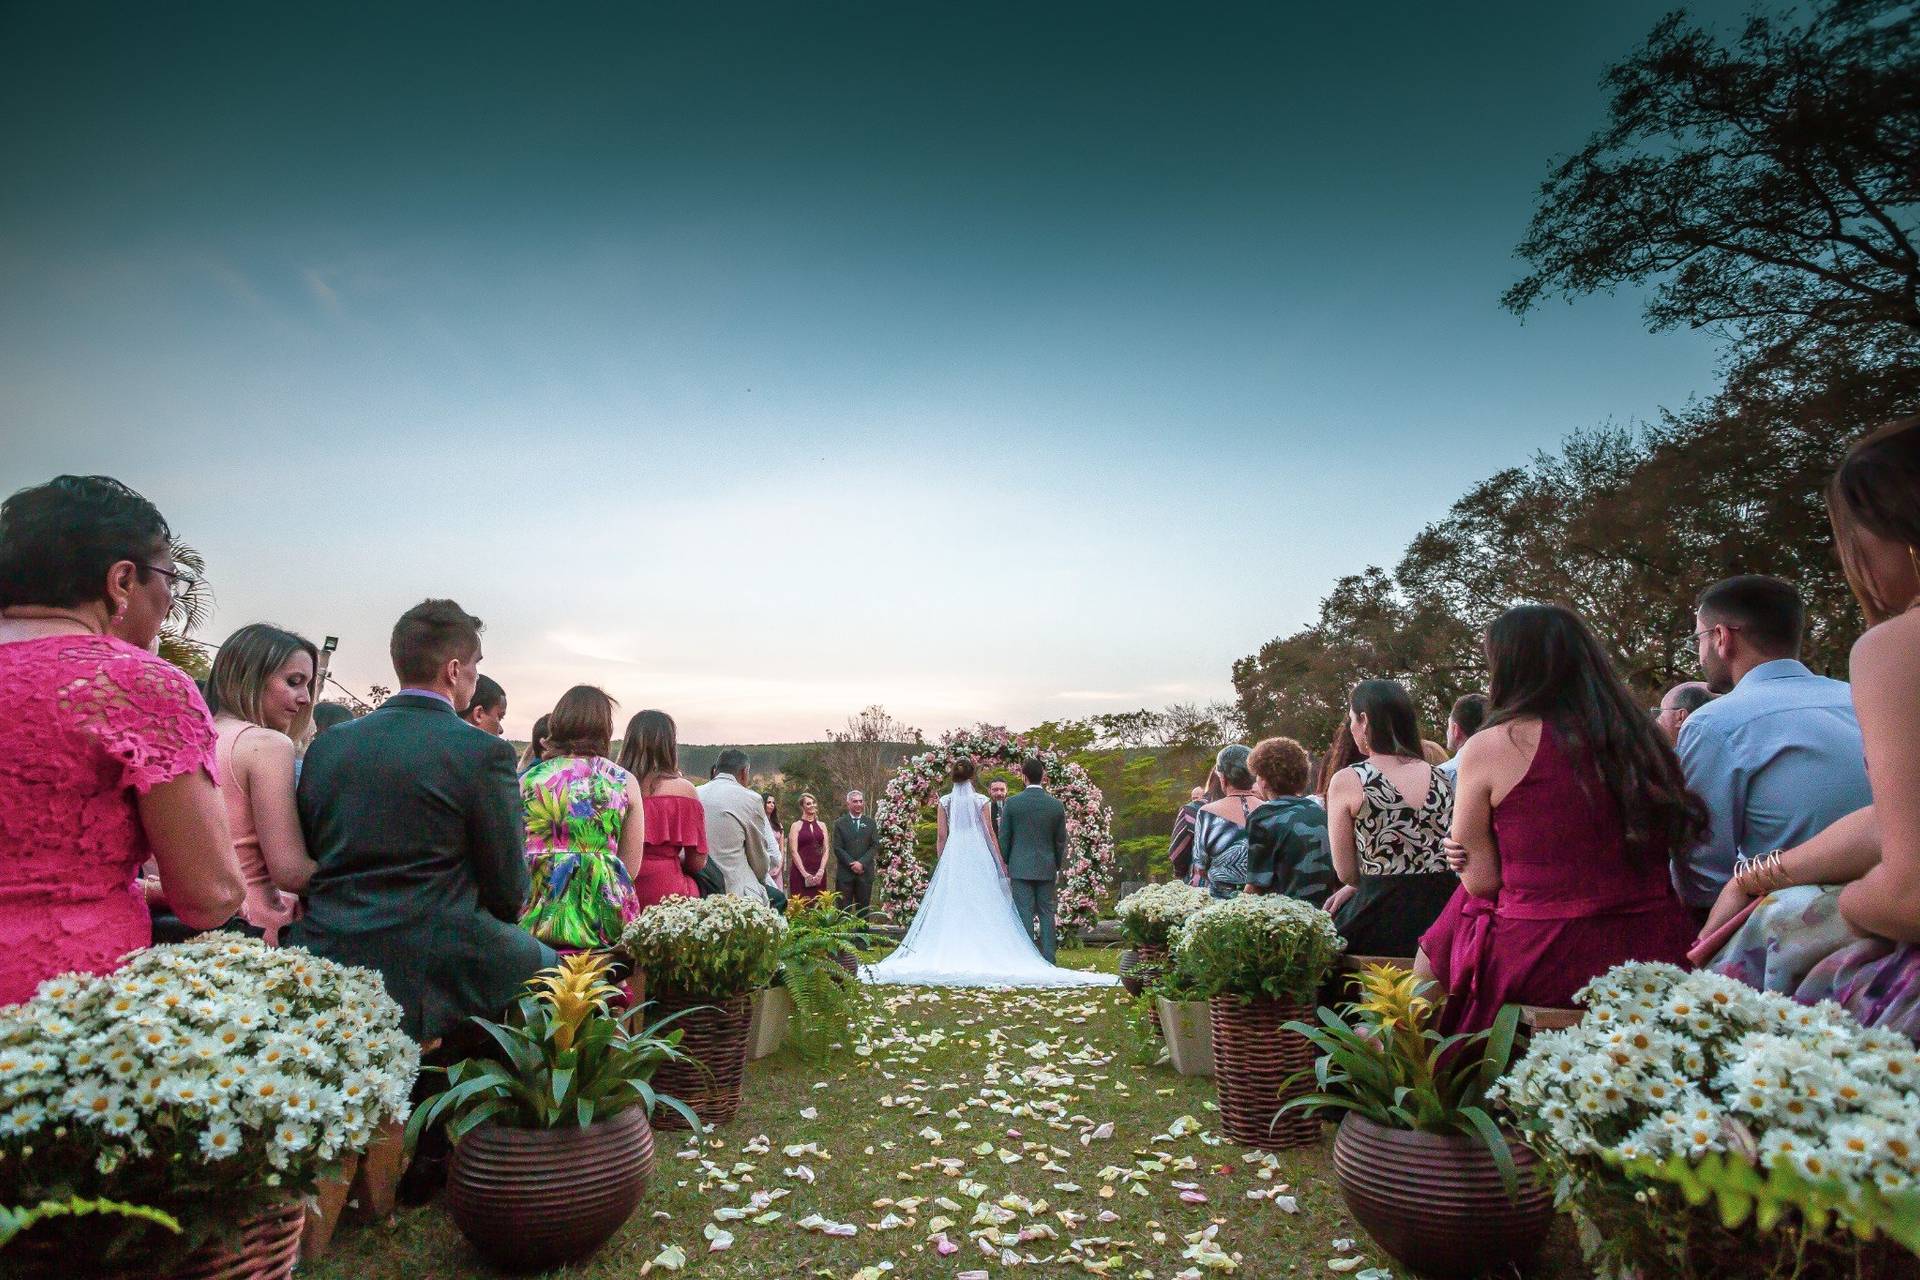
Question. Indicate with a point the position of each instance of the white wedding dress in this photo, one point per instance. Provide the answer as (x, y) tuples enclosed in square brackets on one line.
[(966, 933)]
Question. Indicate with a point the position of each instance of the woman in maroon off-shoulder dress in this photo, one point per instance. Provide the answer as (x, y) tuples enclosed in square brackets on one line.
[(676, 824), (1569, 809)]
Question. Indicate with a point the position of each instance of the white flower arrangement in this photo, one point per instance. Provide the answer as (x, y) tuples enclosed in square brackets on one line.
[(1257, 945), (1696, 1080), (206, 1078), (1150, 915), (714, 947)]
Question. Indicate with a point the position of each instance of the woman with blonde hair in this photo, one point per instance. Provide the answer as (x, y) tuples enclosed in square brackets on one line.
[(808, 858), (260, 691)]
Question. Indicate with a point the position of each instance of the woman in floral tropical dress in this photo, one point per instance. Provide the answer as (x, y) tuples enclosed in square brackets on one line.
[(586, 827)]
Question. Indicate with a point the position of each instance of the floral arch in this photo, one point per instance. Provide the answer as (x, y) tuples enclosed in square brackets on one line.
[(1089, 865)]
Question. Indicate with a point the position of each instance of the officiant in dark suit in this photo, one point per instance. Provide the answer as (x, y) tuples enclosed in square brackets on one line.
[(854, 846), (996, 803), (1033, 844)]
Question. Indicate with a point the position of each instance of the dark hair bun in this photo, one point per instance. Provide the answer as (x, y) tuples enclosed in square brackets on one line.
[(962, 770)]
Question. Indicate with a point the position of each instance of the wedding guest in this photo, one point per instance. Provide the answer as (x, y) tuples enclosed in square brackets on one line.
[(736, 819), (330, 715), (414, 822), (107, 754), (676, 844), (1180, 847), (488, 710), (1571, 808), (1220, 827), (260, 690), (1387, 819), (1468, 714), (586, 826), (1287, 835), (808, 855), (1677, 704), (1778, 756), (772, 803), (1340, 754), (1840, 915), (855, 843), (776, 854), (536, 749)]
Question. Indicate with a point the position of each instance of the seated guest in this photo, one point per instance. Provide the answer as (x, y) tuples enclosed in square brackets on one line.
[(536, 745), (107, 755), (260, 690), (1387, 818), (1287, 835), (1180, 847), (809, 860), (488, 710), (1570, 812), (1777, 758), (586, 825), (1340, 754), (1677, 704), (330, 715), (1850, 930), (676, 844), (1220, 827), (1468, 714), (414, 823), (736, 826)]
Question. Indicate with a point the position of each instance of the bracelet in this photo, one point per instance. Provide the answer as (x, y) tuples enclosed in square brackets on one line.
[(1763, 875)]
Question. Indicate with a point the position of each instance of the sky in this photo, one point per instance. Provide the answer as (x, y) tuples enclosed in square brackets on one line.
[(986, 361)]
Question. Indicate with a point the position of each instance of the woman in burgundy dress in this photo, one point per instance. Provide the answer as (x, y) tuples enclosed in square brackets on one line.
[(808, 857), (1570, 807), (675, 841)]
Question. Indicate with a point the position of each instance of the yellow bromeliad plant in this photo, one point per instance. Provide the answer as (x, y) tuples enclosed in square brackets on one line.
[(574, 989)]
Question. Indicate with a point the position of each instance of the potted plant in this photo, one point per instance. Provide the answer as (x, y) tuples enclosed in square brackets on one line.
[(1421, 1160), (1259, 959), (216, 1083), (1186, 1020), (813, 990), (551, 1142), (1701, 1128), (703, 959), (1148, 917)]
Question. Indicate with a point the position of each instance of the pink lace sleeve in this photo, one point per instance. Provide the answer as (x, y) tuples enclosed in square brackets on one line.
[(148, 715)]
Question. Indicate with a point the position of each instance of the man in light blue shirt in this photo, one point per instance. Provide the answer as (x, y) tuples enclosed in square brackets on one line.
[(1778, 758)]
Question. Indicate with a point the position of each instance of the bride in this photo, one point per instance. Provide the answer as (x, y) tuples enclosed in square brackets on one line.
[(967, 933)]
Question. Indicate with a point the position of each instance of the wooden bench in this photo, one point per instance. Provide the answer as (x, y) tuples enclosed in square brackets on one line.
[(1536, 1017), (1355, 964)]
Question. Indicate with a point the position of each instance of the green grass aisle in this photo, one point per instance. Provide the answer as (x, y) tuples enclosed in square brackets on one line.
[(1010, 1127)]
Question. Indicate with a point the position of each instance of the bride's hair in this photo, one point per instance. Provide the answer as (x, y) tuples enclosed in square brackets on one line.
[(962, 771)]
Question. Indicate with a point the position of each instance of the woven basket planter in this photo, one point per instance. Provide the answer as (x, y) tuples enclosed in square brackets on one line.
[(716, 1039), (264, 1247), (1140, 966), (1252, 1057), (529, 1199)]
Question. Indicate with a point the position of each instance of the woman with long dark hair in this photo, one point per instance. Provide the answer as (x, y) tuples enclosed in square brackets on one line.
[(1387, 819), (1571, 808), (674, 822), (1340, 754)]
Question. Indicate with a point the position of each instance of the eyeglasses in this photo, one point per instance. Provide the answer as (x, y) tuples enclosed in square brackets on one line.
[(1707, 631), (180, 582)]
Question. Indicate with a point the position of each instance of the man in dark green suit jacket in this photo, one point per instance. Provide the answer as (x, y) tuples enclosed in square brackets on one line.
[(1033, 843), (414, 819)]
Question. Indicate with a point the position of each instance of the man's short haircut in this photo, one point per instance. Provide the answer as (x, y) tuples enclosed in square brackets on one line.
[(732, 761), (1470, 712), (1282, 764), (328, 714), (428, 636), (1032, 770), (856, 795), (1768, 611), (486, 693), (1692, 696)]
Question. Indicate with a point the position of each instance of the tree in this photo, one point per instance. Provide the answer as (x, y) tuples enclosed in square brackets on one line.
[(1768, 189), (862, 756), (188, 614)]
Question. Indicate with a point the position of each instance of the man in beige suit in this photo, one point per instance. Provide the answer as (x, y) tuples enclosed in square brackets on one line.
[(737, 832)]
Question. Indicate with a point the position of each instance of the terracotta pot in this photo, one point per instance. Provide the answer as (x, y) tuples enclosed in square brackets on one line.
[(378, 1181), (1139, 966), (716, 1034), (323, 1215), (850, 961), (533, 1198), (1252, 1058), (263, 1247), (772, 1013), (1188, 1027), (1435, 1202)]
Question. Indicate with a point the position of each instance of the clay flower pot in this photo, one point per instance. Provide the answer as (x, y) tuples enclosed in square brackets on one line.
[(529, 1199), (1435, 1202), (1140, 966), (1253, 1056)]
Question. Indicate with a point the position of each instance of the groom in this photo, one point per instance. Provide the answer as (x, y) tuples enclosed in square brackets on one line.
[(1033, 841)]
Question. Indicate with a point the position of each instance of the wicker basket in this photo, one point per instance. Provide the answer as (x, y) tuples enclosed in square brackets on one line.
[(716, 1039), (1140, 966), (1252, 1057), (264, 1247)]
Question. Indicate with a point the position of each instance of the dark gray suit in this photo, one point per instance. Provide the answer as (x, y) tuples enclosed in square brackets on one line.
[(854, 841), (1033, 842), (414, 818)]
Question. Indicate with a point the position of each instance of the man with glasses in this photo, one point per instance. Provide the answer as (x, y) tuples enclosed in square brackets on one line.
[(1777, 757)]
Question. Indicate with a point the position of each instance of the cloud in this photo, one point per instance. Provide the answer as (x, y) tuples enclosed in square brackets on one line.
[(323, 292)]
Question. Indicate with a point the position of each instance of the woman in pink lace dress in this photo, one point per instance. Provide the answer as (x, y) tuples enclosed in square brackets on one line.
[(106, 752)]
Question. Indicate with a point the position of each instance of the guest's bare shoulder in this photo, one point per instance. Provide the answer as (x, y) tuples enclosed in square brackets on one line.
[(675, 786)]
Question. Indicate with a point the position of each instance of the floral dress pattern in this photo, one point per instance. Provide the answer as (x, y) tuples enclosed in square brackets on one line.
[(581, 894), (1797, 943)]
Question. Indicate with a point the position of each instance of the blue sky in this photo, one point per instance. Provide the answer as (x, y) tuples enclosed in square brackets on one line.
[(763, 361)]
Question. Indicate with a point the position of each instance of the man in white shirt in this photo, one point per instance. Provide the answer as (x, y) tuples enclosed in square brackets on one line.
[(738, 839), (1469, 713)]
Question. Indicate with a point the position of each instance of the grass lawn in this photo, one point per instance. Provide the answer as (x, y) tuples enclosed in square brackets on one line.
[(1000, 1103)]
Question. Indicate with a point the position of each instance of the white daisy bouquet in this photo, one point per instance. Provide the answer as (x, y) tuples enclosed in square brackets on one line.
[(1257, 945), (712, 948), (1149, 916), (209, 1080), (1799, 1127)]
